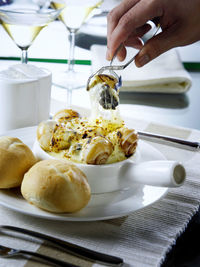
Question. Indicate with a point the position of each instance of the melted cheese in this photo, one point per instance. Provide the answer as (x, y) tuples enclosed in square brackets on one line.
[(81, 130), (97, 111), (71, 137)]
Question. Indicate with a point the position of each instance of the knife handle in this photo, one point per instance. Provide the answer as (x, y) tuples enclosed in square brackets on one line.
[(69, 247)]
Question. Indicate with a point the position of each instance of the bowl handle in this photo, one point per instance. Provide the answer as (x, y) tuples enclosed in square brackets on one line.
[(156, 173)]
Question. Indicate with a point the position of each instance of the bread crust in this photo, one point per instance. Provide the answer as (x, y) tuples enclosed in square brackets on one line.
[(56, 186), (15, 160)]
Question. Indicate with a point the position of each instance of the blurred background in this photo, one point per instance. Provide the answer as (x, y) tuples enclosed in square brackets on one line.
[(51, 49)]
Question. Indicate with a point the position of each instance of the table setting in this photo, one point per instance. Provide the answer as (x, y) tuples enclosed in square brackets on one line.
[(137, 208), (142, 238)]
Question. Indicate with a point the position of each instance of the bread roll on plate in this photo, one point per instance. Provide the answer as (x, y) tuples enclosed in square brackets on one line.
[(15, 159), (56, 186)]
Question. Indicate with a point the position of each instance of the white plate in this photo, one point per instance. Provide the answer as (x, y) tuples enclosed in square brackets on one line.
[(101, 206)]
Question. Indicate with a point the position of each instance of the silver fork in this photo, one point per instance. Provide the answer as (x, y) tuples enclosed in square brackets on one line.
[(113, 68), (77, 250), (7, 252)]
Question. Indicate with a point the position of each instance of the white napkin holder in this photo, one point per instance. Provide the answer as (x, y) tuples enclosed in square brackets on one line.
[(25, 92)]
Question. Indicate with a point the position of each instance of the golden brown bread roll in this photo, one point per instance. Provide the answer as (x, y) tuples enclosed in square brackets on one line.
[(97, 150), (128, 140), (65, 115), (56, 186), (15, 159)]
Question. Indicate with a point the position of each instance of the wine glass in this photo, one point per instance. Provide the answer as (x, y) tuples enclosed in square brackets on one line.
[(42, 4), (73, 15), (24, 22)]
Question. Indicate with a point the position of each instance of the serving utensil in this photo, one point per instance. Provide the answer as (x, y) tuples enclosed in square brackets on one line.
[(112, 68), (7, 252), (69, 247)]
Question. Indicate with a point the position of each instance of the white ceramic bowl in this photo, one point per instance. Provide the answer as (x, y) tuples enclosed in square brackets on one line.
[(124, 174)]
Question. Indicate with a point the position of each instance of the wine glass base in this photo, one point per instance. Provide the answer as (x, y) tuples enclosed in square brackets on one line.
[(70, 80)]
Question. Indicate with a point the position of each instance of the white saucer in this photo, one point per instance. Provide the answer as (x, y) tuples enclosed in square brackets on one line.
[(102, 206)]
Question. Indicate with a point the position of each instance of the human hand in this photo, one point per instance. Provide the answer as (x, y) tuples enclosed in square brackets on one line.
[(127, 23)]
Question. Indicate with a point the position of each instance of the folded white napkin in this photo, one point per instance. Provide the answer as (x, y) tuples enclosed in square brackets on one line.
[(164, 74)]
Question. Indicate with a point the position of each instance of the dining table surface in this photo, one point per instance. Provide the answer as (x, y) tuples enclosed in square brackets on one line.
[(180, 110)]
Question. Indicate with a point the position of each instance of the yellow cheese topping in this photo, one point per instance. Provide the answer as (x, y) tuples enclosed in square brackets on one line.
[(100, 139)]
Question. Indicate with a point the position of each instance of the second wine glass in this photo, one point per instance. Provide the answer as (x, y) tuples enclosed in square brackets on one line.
[(73, 15), (23, 24)]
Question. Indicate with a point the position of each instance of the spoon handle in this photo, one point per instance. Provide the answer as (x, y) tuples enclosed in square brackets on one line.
[(194, 146)]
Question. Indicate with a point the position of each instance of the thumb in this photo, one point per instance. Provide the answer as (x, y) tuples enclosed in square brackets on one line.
[(157, 45)]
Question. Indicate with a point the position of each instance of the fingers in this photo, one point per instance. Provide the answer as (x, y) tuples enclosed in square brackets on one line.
[(121, 55), (134, 41), (158, 45), (114, 17), (135, 17), (142, 30), (117, 13)]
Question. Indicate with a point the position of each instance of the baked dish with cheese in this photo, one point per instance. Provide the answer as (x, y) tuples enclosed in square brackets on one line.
[(101, 138)]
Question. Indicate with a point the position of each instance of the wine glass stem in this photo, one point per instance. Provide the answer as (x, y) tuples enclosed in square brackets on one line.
[(71, 50), (69, 97), (24, 58)]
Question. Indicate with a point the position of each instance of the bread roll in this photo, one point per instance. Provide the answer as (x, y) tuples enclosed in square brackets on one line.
[(15, 159), (56, 186)]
